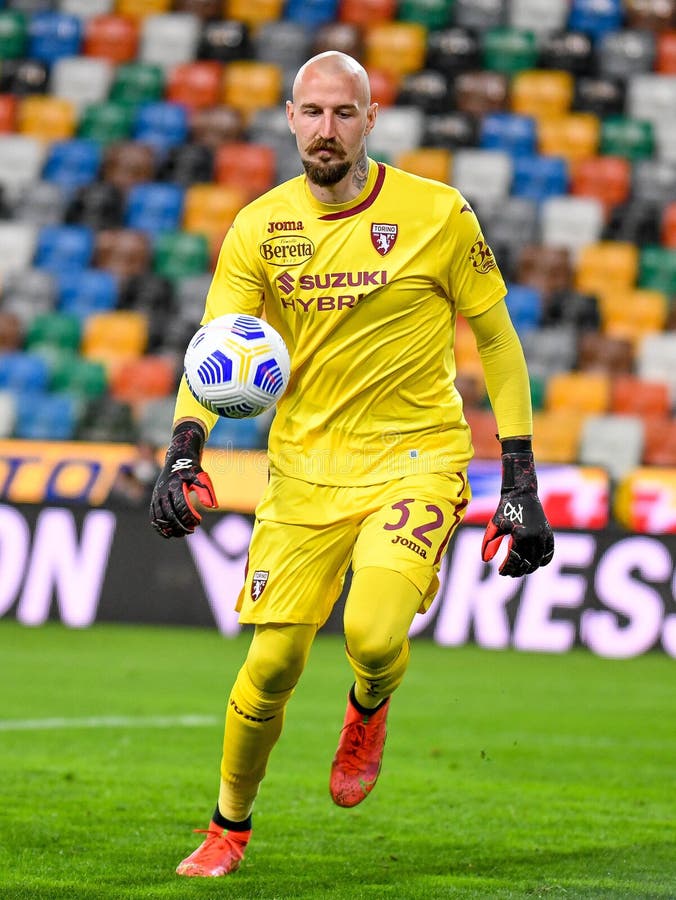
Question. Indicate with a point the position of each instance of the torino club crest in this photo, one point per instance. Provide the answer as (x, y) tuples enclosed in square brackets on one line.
[(383, 236)]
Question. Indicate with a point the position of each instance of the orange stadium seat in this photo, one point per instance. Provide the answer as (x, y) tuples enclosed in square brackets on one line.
[(396, 47), (114, 337), (467, 359), (123, 251), (556, 435), (366, 12), (668, 226), (586, 392), (548, 269), (343, 36), (216, 125), (484, 430), (249, 167), (47, 118), (659, 448), (254, 12), (384, 86), (127, 163), (195, 84), (665, 61), (542, 93), (606, 177), (631, 394), (139, 9), (209, 209), (633, 313), (651, 15), (8, 105), (115, 38), (145, 378), (606, 265), (599, 352), (481, 93), (574, 136), (249, 85), (428, 162)]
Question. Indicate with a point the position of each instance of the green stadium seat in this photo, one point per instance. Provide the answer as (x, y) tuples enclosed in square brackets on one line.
[(106, 122), (509, 50), (56, 329), (657, 269), (178, 254), (624, 136), (137, 82), (12, 34), (84, 378), (433, 14)]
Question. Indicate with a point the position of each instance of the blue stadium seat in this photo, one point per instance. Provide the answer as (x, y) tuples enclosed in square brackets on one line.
[(86, 291), (525, 307), (52, 35), (538, 177), (514, 133), (73, 163), (154, 207), (311, 13), (237, 433), (594, 18), (64, 247), (20, 370), (46, 416), (163, 125)]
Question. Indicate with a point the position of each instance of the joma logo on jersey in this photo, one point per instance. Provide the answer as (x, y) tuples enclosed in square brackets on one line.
[(405, 542), (383, 236), (284, 226), (286, 250)]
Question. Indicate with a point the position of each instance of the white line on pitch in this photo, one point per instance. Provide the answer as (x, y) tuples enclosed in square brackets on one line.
[(108, 722)]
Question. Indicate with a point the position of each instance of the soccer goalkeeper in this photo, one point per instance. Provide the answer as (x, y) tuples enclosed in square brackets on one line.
[(363, 269)]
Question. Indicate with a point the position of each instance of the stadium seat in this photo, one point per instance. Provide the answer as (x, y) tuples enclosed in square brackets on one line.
[(178, 254), (244, 434), (606, 266), (574, 136), (395, 47), (480, 16), (654, 180), (510, 132), (140, 9), (169, 39), (570, 307), (56, 329), (636, 221), (664, 132), (82, 80), (47, 118), (137, 82), (484, 430), (106, 122), (612, 441), (98, 205), (23, 371), (508, 49), (63, 247), (665, 53), (363, 13), (585, 392), (537, 177), (210, 210), (46, 416), (624, 53), (668, 226), (11, 331), (384, 86), (40, 203), (216, 125), (652, 15), (431, 14), (8, 107), (245, 165), (508, 224), (111, 37), (637, 396), (612, 354), (70, 373), (85, 9), (206, 10), (224, 40), (13, 34), (556, 435), (427, 162), (253, 14), (426, 89), (651, 96), (17, 246), (23, 77), (541, 93), (115, 336), (608, 178), (250, 85), (187, 164), (482, 175), (53, 35), (153, 295), (154, 207), (105, 420), (594, 18), (27, 292), (451, 51), (568, 51), (310, 13), (546, 268), (542, 17), (571, 222), (195, 84), (481, 93), (8, 413), (598, 95), (525, 307), (398, 126), (657, 269), (128, 163), (191, 294), (343, 36), (155, 419), (148, 377), (123, 251), (632, 138), (72, 163), (633, 313), (660, 442), (86, 291), (550, 349), (163, 125), (449, 130)]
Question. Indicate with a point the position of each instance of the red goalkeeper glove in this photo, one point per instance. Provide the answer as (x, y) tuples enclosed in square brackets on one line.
[(172, 513), (519, 515)]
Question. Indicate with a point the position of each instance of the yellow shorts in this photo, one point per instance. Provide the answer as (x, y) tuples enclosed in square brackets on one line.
[(306, 535)]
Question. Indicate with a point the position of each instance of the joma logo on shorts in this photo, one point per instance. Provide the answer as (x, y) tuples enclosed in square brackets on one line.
[(405, 542)]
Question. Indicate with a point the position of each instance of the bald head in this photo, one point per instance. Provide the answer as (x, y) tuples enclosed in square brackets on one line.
[(334, 64)]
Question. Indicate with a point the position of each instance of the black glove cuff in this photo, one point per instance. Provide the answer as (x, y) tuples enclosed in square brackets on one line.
[(518, 467), (517, 445), (187, 439)]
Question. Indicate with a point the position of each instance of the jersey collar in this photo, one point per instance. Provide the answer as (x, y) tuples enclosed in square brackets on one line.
[(331, 212)]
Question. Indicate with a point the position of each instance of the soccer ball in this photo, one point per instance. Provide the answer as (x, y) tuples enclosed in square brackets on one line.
[(237, 366)]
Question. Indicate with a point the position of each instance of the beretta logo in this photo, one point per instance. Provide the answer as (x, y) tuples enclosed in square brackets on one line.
[(383, 236), (287, 250)]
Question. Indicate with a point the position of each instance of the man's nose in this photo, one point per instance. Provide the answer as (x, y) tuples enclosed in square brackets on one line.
[(328, 125)]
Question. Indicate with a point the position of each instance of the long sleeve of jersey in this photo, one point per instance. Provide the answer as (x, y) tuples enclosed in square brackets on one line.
[(505, 370)]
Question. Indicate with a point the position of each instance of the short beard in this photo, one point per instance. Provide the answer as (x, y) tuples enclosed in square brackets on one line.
[(326, 175)]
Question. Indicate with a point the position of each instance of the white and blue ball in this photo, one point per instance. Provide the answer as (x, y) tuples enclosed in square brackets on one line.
[(237, 366)]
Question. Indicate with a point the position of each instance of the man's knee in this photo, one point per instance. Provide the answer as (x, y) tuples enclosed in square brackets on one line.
[(277, 656)]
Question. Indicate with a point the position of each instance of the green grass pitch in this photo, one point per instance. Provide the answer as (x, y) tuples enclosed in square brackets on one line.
[(505, 774)]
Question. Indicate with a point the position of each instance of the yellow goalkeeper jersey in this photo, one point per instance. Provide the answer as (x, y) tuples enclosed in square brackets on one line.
[(366, 295)]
